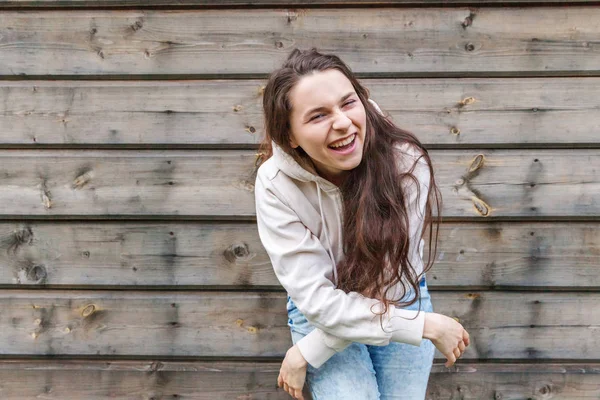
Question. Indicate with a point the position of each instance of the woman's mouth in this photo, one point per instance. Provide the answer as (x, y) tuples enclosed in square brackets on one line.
[(347, 148)]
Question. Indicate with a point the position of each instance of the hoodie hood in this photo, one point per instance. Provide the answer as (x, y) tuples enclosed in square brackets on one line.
[(293, 169)]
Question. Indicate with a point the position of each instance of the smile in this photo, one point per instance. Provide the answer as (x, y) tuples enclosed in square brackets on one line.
[(345, 146)]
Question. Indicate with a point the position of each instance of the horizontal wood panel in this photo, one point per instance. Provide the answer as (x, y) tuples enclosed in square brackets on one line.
[(502, 325), (207, 254), (474, 183), (250, 3), (374, 40), (98, 380), (229, 112)]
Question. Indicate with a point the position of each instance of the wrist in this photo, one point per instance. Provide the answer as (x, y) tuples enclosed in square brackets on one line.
[(296, 358), (430, 329)]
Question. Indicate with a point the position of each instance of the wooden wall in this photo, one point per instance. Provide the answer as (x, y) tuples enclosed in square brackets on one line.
[(130, 262)]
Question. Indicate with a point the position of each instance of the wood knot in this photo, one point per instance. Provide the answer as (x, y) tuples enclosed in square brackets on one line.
[(477, 163), (236, 252), (46, 200), (468, 20), (481, 206), (291, 16), (237, 108), (473, 296), (37, 273), (19, 238), (250, 129), (466, 101), (82, 179), (137, 26), (545, 390), (455, 131), (469, 47), (88, 310), (156, 366)]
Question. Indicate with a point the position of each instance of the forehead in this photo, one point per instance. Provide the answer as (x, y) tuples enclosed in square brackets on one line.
[(319, 89)]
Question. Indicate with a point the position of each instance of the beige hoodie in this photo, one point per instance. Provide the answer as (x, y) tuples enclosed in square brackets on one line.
[(299, 218)]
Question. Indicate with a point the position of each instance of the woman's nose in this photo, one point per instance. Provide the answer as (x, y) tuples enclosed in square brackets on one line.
[(341, 121)]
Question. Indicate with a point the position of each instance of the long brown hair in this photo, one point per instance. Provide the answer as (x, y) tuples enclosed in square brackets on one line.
[(375, 229)]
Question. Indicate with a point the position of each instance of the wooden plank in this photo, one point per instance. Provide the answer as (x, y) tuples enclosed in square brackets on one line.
[(503, 325), (514, 381), (90, 183), (121, 113), (253, 3), (229, 112), (230, 255), (206, 380), (375, 40)]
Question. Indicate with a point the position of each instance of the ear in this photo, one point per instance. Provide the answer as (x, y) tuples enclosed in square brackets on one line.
[(293, 142)]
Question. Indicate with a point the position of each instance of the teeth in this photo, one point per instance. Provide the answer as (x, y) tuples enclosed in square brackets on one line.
[(345, 142)]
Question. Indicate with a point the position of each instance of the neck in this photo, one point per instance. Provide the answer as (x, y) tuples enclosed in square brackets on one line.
[(336, 179)]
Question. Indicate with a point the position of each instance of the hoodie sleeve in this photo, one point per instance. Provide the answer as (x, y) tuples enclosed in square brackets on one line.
[(302, 264)]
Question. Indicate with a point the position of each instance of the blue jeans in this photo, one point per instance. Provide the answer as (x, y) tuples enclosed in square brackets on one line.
[(397, 371)]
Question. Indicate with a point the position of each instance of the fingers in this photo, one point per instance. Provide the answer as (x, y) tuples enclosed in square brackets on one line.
[(461, 346), (451, 360), (295, 393), (457, 353), (298, 394), (466, 337)]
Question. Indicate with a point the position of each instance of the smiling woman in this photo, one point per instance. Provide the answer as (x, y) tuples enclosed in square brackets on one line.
[(332, 133), (343, 199)]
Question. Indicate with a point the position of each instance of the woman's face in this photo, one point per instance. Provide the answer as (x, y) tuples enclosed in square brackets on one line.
[(326, 112)]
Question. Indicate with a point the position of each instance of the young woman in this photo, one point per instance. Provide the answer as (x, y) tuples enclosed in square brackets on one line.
[(343, 197)]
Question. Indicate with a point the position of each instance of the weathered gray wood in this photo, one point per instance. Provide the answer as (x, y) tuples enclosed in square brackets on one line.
[(222, 42), (138, 112), (247, 3), (229, 112), (515, 381), (503, 325), (89, 183), (135, 380), (222, 255), (203, 380)]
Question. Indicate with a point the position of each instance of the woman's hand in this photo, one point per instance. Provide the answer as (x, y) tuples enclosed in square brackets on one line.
[(293, 373), (447, 335)]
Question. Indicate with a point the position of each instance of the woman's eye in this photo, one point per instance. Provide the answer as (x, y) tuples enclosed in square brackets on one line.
[(316, 116), (349, 102)]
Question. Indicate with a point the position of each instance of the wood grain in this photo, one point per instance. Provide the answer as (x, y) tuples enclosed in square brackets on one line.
[(411, 41), (206, 380), (230, 255), (502, 325), (31, 4), (211, 184), (517, 112)]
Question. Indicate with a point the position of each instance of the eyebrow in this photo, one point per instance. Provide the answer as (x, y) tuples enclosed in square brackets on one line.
[(344, 97)]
